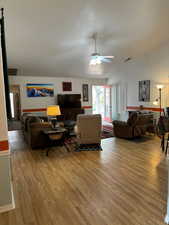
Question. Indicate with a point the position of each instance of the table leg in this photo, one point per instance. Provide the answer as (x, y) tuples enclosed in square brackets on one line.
[(66, 147), (47, 152), (166, 150), (163, 142)]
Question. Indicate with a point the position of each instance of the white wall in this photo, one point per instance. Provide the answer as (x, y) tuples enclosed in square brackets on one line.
[(43, 102), (153, 67), (6, 200), (3, 120)]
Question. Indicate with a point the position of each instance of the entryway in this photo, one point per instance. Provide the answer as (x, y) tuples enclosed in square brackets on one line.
[(15, 124), (101, 102)]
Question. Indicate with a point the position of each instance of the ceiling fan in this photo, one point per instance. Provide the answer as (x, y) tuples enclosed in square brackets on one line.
[(96, 58)]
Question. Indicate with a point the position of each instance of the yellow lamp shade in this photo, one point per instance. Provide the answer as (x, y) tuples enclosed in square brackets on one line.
[(53, 110)]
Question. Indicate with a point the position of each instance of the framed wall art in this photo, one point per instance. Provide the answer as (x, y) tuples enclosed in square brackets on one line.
[(40, 90), (144, 91), (85, 92), (67, 86)]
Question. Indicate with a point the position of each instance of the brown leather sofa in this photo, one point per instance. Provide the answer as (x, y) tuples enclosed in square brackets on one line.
[(136, 126), (32, 127)]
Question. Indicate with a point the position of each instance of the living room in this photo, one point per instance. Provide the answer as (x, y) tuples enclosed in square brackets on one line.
[(60, 165)]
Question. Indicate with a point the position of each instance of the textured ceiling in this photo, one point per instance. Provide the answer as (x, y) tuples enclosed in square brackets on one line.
[(52, 37)]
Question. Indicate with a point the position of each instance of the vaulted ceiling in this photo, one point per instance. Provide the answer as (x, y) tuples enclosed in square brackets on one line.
[(52, 37)]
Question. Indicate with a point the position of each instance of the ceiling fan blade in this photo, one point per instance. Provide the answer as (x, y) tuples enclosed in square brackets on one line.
[(95, 56), (109, 57), (106, 60)]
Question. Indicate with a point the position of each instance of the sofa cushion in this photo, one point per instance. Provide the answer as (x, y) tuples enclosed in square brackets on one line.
[(34, 119), (31, 119)]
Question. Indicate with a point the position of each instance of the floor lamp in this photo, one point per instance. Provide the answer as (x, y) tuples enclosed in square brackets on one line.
[(158, 100), (160, 87)]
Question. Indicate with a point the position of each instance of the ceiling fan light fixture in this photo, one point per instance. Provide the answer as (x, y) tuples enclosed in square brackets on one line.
[(92, 62), (96, 58), (96, 61)]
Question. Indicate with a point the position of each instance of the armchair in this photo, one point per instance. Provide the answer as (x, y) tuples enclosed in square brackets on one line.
[(88, 129), (135, 126)]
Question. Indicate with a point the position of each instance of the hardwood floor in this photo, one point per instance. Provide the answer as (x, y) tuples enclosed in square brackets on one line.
[(125, 184)]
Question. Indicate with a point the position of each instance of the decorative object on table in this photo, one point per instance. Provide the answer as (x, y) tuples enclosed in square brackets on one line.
[(158, 100), (144, 91), (67, 86), (85, 90), (40, 90), (53, 111)]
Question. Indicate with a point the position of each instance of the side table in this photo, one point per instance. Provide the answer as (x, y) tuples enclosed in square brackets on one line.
[(56, 137)]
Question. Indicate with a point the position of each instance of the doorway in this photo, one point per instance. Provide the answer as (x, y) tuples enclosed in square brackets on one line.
[(15, 102), (101, 101)]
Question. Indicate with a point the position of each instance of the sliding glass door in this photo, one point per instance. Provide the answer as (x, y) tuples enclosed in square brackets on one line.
[(101, 102)]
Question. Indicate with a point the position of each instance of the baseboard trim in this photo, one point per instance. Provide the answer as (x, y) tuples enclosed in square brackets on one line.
[(8, 207), (4, 153), (167, 219)]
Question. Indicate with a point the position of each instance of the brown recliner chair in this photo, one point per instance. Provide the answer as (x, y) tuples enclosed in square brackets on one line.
[(88, 129), (136, 126)]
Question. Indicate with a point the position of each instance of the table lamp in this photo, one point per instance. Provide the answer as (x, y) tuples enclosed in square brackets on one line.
[(53, 111)]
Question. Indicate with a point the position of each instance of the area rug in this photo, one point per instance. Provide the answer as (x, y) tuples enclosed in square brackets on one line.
[(107, 131), (91, 147)]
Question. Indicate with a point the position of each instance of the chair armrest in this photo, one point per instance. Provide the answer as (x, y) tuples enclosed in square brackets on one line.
[(40, 125), (123, 130), (120, 123), (76, 129)]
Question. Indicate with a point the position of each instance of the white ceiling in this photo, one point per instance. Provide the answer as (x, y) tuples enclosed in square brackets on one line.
[(52, 37)]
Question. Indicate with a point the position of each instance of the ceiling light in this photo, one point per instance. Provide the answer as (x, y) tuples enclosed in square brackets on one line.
[(98, 61), (95, 62), (92, 62)]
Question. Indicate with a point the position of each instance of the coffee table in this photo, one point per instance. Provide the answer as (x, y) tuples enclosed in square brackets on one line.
[(56, 137)]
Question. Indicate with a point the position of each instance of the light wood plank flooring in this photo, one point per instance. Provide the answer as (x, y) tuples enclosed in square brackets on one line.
[(125, 184)]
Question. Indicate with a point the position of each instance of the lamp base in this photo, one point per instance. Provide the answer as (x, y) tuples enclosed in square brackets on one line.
[(55, 125)]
